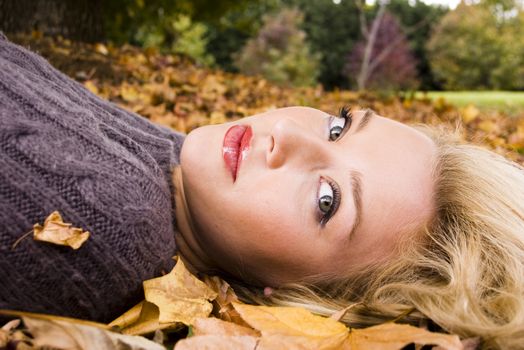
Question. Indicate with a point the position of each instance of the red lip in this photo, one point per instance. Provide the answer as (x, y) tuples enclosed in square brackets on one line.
[(236, 144)]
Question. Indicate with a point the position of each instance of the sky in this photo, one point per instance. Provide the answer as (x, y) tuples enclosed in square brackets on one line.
[(449, 3)]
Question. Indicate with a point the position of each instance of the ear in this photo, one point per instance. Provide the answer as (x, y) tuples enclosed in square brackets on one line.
[(268, 291)]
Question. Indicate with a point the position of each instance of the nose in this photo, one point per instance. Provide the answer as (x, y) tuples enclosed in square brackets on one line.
[(292, 143)]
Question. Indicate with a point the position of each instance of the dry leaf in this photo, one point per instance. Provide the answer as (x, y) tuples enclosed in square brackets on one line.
[(176, 297), (222, 305), (142, 319), (57, 232), (212, 325), (392, 336), (293, 328), (469, 113), (297, 328), (89, 85), (218, 342), (179, 295), (60, 334)]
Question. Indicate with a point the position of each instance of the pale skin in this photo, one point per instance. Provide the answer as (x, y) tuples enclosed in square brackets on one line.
[(265, 227)]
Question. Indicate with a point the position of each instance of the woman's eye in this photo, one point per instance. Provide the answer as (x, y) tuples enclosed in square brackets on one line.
[(338, 124), (328, 199), (325, 197)]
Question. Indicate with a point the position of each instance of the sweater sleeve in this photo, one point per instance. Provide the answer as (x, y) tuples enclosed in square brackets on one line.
[(106, 170)]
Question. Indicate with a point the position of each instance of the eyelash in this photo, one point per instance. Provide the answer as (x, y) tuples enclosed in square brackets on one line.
[(344, 113), (324, 217)]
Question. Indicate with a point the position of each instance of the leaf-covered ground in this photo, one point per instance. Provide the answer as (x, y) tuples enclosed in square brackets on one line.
[(173, 91)]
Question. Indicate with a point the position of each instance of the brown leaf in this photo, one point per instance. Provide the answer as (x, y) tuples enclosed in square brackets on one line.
[(61, 334), (223, 303), (293, 328), (57, 232), (179, 295), (141, 319), (215, 326), (218, 342), (297, 328), (392, 336)]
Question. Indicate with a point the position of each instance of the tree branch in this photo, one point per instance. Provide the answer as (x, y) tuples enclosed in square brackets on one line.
[(370, 42)]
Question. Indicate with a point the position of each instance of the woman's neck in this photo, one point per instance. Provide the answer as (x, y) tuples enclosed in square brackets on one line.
[(189, 250)]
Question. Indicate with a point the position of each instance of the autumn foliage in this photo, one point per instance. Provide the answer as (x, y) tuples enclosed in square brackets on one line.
[(175, 92)]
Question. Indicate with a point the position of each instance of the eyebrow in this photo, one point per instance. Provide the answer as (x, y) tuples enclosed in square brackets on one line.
[(356, 184), (356, 177), (364, 121)]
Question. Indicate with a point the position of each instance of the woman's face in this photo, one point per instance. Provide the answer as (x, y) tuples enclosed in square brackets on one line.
[(281, 220)]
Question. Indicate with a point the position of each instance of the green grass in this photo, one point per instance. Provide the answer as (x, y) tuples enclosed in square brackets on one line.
[(505, 101)]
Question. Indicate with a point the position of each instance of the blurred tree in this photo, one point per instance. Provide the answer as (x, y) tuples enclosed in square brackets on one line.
[(75, 19), (382, 59), (279, 51), (474, 48), (125, 18), (93, 20), (424, 17), (229, 34), (332, 28), (176, 33), (509, 74)]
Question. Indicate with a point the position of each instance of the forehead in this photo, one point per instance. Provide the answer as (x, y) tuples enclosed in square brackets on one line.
[(396, 162)]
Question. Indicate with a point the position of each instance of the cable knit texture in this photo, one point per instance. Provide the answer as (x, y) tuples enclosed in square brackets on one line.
[(103, 169)]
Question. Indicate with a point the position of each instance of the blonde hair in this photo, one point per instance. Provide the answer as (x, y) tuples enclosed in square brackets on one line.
[(468, 275)]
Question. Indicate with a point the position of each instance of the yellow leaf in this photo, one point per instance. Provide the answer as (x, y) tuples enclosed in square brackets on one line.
[(469, 113), (57, 232), (217, 118), (488, 126), (293, 328), (51, 318), (392, 336), (91, 87), (179, 295), (101, 49), (128, 318), (61, 334), (129, 93)]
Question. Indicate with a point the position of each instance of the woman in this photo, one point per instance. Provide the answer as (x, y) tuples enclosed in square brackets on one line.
[(316, 210)]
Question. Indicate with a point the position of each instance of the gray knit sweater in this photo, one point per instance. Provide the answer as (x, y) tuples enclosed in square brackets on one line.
[(105, 170)]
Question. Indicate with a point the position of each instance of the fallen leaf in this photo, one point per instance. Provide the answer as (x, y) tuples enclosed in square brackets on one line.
[(392, 336), (142, 319), (178, 297), (89, 85), (218, 342), (101, 49), (469, 113), (223, 303), (61, 334), (57, 232), (297, 328), (212, 325), (293, 328)]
